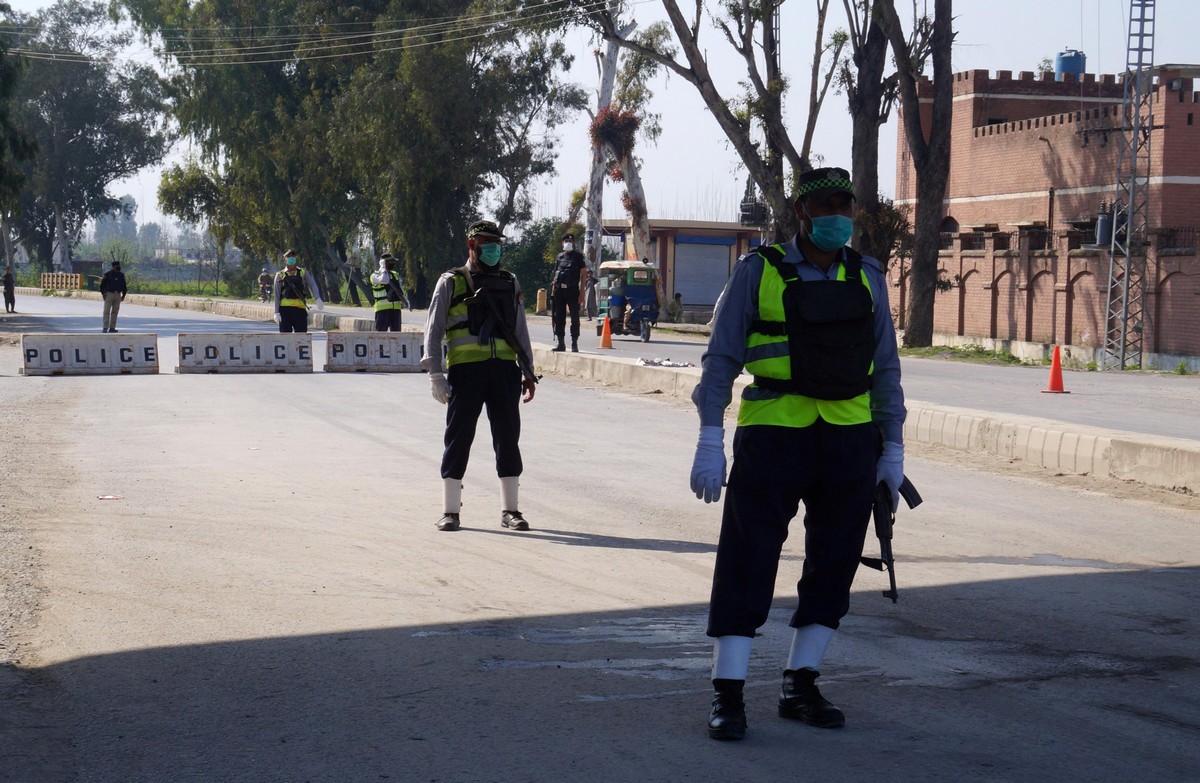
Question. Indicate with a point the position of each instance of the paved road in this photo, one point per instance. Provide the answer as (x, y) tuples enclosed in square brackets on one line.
[(266, 600), (1150, 403)]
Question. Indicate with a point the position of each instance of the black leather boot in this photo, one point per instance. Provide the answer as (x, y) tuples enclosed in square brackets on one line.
[(800, 700), (561, 345), (574, 345), (727, 720)]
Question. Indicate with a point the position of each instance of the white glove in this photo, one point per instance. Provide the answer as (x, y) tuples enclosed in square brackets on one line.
[(890, 469), (277, 318), (440, 387), (320, 305), (708, 467)]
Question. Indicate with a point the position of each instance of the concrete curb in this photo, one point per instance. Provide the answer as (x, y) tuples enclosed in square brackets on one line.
[(1170, 463)]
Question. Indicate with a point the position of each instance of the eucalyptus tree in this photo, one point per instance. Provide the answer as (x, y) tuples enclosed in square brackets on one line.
[(389, 120), (95, 117), (15, 145)]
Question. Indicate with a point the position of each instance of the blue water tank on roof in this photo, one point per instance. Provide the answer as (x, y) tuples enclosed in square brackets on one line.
[(1069, 61)]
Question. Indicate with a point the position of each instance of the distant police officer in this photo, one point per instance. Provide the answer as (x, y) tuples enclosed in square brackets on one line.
[(810, 321), (567, 285), (478, 310), (113, 289), (389, 295), (294, 286)]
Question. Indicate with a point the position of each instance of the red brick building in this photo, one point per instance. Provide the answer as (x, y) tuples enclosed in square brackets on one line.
[(1033, 160)]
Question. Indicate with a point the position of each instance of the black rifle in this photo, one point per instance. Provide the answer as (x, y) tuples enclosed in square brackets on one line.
[(393, 286), (885, 520), (523, 360)]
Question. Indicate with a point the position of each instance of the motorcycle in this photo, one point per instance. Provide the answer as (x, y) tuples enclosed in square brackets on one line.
[(264, 293)]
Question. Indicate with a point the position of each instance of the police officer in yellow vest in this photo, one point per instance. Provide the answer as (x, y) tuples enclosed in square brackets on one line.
[(466, 309), (821, 424), (294, 286), (390, 296)]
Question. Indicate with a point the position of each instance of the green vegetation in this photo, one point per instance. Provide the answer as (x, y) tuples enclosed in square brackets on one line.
[(964, 353), (1181, 369)]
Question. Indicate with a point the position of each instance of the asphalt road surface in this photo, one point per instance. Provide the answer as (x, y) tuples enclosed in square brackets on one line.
[(237, 578)]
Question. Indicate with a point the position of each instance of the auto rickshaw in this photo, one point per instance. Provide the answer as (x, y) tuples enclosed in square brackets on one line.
[(627, 292)]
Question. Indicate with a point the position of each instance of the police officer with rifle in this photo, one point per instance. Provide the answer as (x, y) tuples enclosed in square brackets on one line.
[(809, 320), (478, 310), (390, 297)]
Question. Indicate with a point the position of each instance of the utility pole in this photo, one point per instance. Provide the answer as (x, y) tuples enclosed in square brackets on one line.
[(1126, 315)]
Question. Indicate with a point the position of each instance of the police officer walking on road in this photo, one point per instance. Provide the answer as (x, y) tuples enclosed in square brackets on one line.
[(113, 289), (567, 286), (478, 310), (294, 286), (810, 321), (389, 295)]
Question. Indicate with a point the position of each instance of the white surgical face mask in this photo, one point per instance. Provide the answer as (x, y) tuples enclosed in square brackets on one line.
[(568, 246)]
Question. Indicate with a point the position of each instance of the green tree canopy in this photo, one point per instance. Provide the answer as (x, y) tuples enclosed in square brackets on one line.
[(95, 118), (333, 120)]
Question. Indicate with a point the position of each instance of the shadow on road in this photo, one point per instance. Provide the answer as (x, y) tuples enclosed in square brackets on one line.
[(1039, 678)]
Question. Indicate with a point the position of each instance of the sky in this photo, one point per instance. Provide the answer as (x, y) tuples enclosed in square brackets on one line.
[(692, 173)]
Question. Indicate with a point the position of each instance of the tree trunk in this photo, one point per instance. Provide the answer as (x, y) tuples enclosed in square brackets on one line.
[(62, 262), (595, 192), (866, 109), (8, 249), (639, 222), (931, 159)]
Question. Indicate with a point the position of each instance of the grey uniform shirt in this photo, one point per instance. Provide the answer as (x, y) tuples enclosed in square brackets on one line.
[(439, 311), (737, 309)]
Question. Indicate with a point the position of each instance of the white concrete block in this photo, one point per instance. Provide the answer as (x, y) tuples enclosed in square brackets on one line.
[(89, 354), (263, 352), (374, 351)]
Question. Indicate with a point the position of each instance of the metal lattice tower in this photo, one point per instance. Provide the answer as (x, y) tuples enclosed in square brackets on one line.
[(1127, 259)]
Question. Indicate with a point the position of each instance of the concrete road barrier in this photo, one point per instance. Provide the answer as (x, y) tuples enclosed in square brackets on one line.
[(89, 354), (373, 351), (227, 353)]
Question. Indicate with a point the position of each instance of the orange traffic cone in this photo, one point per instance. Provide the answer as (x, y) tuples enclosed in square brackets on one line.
[(1056, 383), (606, 335)]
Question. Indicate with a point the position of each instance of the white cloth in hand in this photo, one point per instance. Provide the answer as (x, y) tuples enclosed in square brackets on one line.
[(890, 469), (277, 318), (320, 305), (440, 387), (708, 467)]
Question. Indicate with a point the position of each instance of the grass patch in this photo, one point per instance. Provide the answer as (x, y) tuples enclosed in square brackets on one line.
[(976, 354)]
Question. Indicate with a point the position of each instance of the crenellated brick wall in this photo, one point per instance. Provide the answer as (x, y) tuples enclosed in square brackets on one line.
[(1008, 294), (1030, 154)]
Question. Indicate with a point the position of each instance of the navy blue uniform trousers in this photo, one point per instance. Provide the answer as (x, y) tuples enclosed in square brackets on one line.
[(830, 468), (496, 385)]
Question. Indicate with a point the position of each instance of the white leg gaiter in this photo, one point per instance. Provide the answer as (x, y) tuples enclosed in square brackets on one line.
[(451, 495), (731, 657), (508, 493), (808, 646)]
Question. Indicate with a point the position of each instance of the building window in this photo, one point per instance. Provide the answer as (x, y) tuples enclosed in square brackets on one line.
[(1189, 118)]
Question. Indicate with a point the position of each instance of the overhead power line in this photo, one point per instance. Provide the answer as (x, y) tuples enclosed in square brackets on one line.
[(275, 48)]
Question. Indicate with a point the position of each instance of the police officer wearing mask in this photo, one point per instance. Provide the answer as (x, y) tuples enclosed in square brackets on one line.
[(472, 309), (810, 321), (293, 288), (567, 287), (389, 295)]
